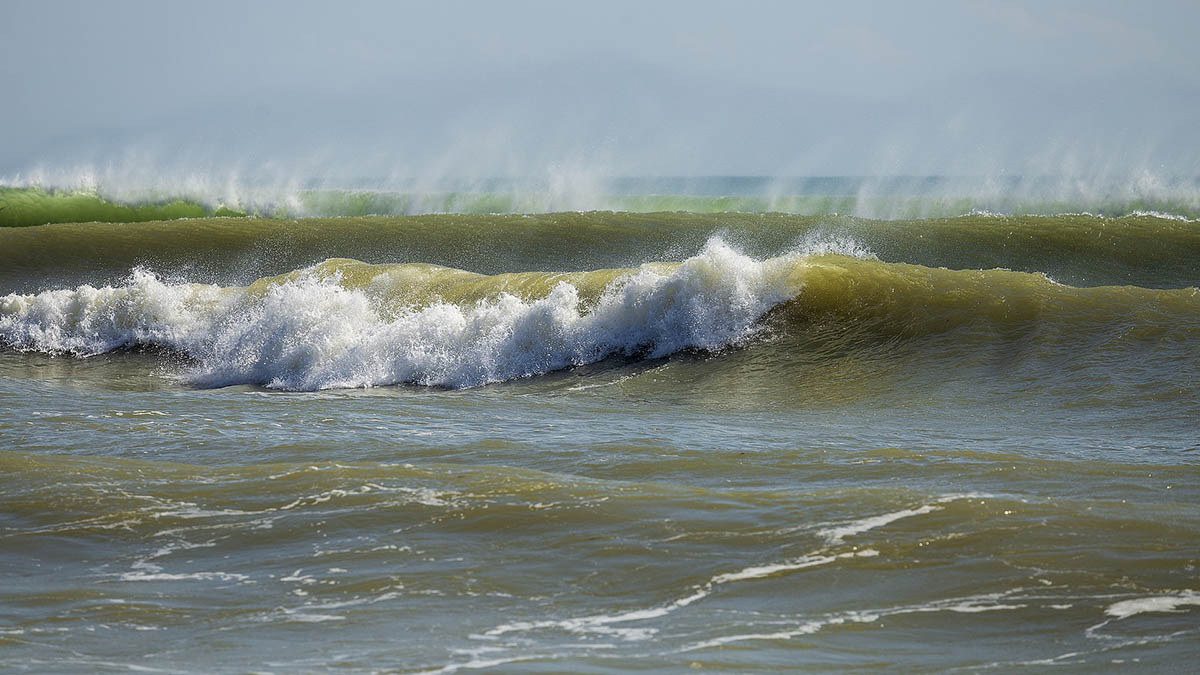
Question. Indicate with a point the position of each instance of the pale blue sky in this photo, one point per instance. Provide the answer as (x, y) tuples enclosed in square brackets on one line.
[(482, 88)]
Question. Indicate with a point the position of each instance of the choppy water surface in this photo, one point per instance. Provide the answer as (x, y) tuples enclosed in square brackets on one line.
[(598, 442)]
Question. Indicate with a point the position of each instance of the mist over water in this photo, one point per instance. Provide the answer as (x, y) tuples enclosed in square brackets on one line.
[(585, 135), (1094, 108)]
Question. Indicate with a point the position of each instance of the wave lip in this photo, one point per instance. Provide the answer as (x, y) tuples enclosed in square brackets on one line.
[(310, 331)]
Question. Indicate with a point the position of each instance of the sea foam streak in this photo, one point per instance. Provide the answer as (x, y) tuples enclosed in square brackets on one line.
[(310, 332)]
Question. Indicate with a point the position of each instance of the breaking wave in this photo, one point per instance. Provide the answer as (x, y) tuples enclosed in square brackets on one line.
[(345, 323)]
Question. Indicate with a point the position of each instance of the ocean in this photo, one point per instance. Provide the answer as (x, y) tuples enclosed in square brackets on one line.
[(726, 424)]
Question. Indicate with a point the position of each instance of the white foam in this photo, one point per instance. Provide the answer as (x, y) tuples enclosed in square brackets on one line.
[(807, 628), (601, 623), (311, 333), (88, 320), (193, 576), (1155, 603), (836, 535), (313, 618), (966, 605), (802, 562)]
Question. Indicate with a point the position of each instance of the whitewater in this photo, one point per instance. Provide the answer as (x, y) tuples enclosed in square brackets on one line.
[(310, 332)]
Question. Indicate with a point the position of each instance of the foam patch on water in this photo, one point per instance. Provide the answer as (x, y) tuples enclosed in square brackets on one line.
[(838, 534), (1155, 603), (991, 602), (603, 623), (191, 576), (312, 333), (761, 571), (835, 535)]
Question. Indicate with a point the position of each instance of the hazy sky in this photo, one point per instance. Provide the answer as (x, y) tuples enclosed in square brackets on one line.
[(492, 88)]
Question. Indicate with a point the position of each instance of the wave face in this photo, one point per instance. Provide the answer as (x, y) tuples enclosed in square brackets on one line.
[(86, 198)]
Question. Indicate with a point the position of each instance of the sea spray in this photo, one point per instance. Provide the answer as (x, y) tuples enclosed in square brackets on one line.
[(113, 194)]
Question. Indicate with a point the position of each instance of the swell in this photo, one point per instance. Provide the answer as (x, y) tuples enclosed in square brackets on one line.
[(1080, 250), (109, 495), (344, 323)]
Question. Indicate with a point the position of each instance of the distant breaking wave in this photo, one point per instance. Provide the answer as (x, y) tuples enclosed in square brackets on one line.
[(37, 200)]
